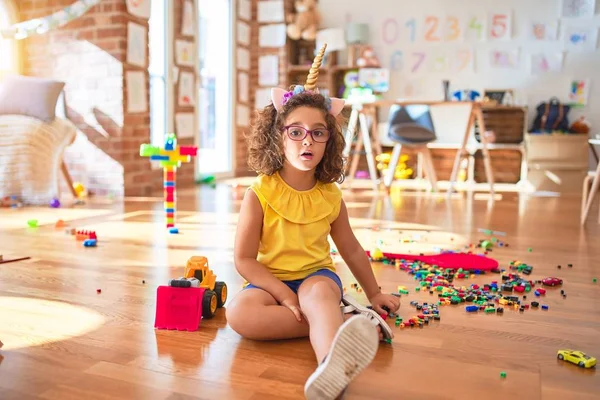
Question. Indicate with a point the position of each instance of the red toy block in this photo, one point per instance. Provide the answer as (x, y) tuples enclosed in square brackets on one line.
[(178, 308), (188, 150), (466, 261)]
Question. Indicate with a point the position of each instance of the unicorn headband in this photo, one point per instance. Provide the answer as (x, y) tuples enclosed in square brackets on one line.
[(281, 96)]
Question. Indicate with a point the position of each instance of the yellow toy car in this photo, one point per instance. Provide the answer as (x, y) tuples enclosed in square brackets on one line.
[(577, 357), (215, 294)]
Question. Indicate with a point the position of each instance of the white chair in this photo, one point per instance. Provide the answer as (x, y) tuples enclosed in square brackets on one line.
[(588, 194), (31, 157), (411, 126)]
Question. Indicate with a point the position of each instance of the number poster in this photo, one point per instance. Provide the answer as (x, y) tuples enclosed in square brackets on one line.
[(448, 43)]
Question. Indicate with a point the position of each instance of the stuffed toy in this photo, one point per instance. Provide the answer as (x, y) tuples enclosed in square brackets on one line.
[(582, 125), (367, 58), (304, 22)]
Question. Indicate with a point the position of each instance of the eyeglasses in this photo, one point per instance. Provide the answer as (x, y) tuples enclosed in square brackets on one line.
[(299, 133)]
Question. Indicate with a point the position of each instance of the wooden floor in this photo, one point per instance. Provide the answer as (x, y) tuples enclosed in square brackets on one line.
[(63, 340)]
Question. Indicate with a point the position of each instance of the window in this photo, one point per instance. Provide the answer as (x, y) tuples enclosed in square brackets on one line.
[(9, 62), (215, 99), (158, 67)]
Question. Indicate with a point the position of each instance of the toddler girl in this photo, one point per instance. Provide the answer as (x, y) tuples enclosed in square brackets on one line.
[(282, 249)]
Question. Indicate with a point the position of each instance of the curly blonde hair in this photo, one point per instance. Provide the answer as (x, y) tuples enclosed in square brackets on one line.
[(265, 139)]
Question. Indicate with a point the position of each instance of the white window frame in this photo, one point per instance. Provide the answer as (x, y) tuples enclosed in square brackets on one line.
[(233, 4), (168, 79), (10, 17)]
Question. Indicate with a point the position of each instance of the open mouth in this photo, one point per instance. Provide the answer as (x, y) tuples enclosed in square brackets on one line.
[(306, 155)]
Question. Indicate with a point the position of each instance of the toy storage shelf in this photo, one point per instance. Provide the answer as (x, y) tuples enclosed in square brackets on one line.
[(507, 122), (299, 60), (557, 162)]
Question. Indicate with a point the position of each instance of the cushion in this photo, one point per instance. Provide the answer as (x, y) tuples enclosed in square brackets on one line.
[(411, 124), (33, 97)]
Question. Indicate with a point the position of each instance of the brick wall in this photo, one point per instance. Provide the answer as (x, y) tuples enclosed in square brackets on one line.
[(89, 54), (241, 150), (241, 153)]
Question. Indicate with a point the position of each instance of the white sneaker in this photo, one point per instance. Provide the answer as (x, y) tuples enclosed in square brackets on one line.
[(351, 305), (352, 350)]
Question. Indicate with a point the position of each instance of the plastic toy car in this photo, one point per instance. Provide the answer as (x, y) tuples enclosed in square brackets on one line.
[(577, 357), (552, 281), (215, 295)]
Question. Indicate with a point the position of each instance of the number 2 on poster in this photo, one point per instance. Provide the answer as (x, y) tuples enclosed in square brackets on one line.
[(432, 25)]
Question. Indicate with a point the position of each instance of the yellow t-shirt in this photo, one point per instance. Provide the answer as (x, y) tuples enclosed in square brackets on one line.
[(296, 225)]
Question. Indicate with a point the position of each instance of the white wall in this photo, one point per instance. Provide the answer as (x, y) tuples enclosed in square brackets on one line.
[(531, 89)]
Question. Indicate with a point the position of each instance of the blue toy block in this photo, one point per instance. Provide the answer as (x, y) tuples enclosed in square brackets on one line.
[(90, 243)]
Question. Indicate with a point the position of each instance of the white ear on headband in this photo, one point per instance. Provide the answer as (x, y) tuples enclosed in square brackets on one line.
[(280, 96)]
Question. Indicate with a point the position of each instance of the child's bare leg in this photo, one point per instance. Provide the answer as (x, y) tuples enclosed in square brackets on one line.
[(255, 314), (343, 349), (319, 298)]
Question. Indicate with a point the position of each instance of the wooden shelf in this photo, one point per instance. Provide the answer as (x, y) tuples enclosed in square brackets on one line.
[(305, 68)]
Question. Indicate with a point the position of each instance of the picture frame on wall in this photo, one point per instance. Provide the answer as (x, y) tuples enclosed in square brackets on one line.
[(137, 44), (186, 89), (187, 18), (184, 53), (505, 97)]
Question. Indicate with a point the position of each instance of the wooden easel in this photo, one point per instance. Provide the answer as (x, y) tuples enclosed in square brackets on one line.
[(475, 114), (364, 138)]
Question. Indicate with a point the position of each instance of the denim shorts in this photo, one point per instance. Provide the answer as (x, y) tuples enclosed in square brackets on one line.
[(295, 284)]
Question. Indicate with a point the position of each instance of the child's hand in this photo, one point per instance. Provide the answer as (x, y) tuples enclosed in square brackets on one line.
[(380, 300), (293, 304)]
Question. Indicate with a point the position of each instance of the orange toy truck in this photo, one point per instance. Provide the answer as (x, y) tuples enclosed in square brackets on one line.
[(215, 294)]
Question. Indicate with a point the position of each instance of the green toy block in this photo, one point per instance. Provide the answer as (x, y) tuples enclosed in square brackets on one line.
[(170, 163), (147, 150)]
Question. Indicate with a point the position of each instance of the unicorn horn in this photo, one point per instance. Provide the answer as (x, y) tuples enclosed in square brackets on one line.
[(313, 74)]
